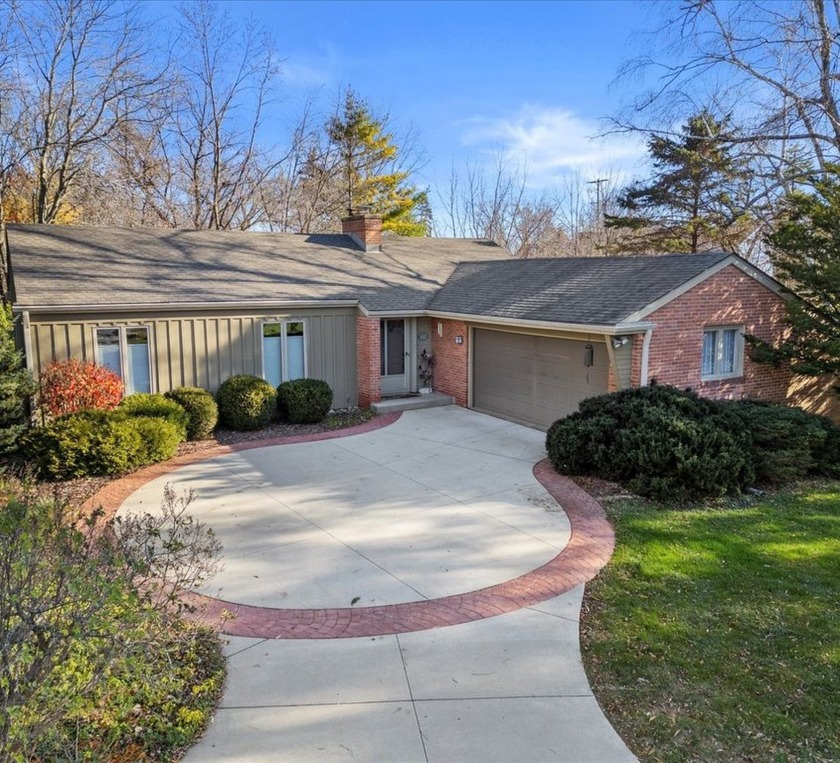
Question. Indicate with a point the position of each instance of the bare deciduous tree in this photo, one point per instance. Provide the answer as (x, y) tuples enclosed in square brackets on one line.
[(225, 80), (76, 61), (771, 68), (498, 204)]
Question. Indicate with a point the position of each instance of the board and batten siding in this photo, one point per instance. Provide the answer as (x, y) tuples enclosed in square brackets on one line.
[(203, 350), (623, 366)]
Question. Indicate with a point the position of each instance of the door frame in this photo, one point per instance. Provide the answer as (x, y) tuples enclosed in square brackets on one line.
[(395, 388)]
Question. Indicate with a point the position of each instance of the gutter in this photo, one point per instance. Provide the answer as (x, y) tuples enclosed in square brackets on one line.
[(186, 306), (592, 328)]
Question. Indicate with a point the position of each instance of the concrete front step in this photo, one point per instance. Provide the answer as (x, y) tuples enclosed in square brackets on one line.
[(412, 402)]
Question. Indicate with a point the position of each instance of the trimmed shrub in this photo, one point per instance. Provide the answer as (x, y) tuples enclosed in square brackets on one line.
[(580, 444), (68, 386), (676, 446), (201, 408), (99, 443), (246, 402), (659, 441), (786, 444), (83, 444), (678, 459), (828, 460), (161, 438), (304, 401), (159, 407)]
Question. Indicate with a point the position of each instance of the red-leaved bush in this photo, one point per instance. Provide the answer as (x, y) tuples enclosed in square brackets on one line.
[(72, 385)]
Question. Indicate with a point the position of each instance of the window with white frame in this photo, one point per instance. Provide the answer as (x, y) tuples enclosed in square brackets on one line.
[(125, 350), (723, 352), (283, 351)]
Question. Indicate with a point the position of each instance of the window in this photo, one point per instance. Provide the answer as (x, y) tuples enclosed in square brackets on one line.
[(723, 353), (284, 351), (125, 350)]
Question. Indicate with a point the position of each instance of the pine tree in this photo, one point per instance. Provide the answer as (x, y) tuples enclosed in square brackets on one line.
[(15, 386), (368, 170), (805, 252), (690, 204)]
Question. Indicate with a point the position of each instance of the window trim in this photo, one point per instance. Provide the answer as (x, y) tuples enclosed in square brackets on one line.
[(284, 345), (123, 345), (738, 350)]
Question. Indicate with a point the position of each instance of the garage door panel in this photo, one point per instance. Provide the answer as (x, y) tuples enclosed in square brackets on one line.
[(534, 379)]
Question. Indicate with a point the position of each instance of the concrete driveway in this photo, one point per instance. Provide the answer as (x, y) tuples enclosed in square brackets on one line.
[(440, 506)]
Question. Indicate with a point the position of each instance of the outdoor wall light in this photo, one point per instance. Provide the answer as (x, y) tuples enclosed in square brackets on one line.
[(589, 356), (459, 339), (440, 329), (619, 341)]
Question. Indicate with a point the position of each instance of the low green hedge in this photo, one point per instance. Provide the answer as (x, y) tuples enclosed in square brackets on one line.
[(672, 445), (157, 406), (99, 443), (201, 408), (246, 402), (304, 401)]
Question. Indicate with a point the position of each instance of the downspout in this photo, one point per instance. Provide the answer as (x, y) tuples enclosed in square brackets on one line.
[(643, 382)]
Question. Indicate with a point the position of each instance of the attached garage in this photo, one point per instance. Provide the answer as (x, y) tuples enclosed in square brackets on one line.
[(535, 379)]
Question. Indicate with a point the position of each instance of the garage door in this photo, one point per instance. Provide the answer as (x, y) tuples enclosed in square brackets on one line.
[(534, 379)]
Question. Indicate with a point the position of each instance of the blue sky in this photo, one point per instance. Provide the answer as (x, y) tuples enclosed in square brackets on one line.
[(531, 79)]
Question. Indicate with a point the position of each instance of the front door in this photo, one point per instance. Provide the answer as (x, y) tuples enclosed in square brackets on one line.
[(393, 356)]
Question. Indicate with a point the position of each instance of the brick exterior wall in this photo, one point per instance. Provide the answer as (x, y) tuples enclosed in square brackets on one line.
[(368, 360), (451, 372), (728, 298)]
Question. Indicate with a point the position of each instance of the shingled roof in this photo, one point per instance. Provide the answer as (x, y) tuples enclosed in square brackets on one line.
[(574, 290), (64, 266)]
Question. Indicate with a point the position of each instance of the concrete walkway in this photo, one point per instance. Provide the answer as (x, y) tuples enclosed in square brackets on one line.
[(438, 513)]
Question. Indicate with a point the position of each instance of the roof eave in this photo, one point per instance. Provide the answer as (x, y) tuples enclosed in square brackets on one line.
[(732, 259), (610, 329), (151, 307)]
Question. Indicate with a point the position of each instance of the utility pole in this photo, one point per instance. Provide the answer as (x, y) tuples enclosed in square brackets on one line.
[(598, 182)]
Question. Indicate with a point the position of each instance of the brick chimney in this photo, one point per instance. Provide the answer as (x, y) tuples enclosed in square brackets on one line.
[(364, 228)]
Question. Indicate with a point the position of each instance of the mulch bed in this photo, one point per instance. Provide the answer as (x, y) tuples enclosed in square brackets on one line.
[(601, 490)]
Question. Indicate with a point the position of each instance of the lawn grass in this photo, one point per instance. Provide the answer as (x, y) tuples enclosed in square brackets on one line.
[(714, 632)]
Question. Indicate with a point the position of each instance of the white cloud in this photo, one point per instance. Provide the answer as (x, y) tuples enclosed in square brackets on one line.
[(298, 74), (551, 142)]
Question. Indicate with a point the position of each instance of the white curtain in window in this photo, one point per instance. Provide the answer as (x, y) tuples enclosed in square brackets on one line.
[(108, 350), (137, 359), (709, 349), (272, 358), (727, 365)]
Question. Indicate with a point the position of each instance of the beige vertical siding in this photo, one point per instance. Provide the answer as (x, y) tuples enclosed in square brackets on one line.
[(204, 350), (623, 365)]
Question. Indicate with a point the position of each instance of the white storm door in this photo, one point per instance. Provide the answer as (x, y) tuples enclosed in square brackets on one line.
[(393, 349)]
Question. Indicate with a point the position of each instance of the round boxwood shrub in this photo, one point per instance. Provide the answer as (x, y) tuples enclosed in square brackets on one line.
[(201, 409), (160, 437), (157, 406), (304, 401), (246, 402)]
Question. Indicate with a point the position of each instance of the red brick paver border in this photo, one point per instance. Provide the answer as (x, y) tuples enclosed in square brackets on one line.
[(588, 550)]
